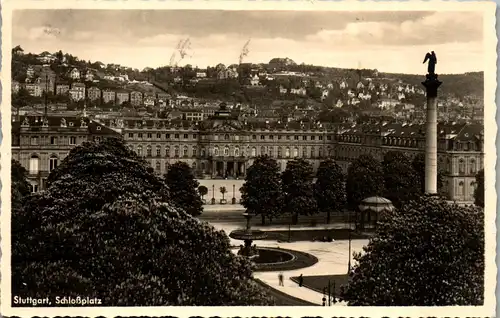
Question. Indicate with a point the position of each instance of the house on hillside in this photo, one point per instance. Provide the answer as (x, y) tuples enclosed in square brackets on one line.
[(94, 93), (75, 74), (108, 96), (30, 72), (15, 86), (254, 81), (34, 89), (201, 74), (136, 98), (77, 91), (122, 97), (46, 57), (62, 89), (298, 91)]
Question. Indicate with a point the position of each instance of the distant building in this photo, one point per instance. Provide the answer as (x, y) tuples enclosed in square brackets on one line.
[(94, 93), (34, 89), (77, 91), (15, 86), (108, 96), (30, 72), (136, 98), (122, 97), (75, 74), (201, 74), (62, 89)]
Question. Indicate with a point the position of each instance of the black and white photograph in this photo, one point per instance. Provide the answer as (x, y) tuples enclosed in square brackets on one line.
[(258, 155)]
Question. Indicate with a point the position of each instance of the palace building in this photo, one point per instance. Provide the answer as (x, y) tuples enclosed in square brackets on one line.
[(224, 146)]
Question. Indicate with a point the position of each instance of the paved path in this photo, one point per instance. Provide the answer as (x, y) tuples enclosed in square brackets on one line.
[(332, 259)]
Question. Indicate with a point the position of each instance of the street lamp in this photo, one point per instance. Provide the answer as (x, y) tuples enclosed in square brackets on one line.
[(349, 263)]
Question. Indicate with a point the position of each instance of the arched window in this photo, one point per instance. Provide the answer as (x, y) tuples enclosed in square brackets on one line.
[(295, 152), (34, 161), (254, 152), (226, 137), (304, 152), (158, 166), (185, 151), (287, 152), (158, 151), (236, 152), (53, 161), (139, 151), (461, 166), (148, 151), (203, 152), (262, 150), (320, 152), (203, 166), (271, 152), (280, 152), (216, 151), (313, 152), (193, 166), (461, 188), (167, 151), (226, 151), (472, 166), (176, 151)]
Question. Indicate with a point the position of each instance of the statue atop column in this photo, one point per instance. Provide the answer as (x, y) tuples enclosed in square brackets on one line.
[(431, 82), (431, 66)]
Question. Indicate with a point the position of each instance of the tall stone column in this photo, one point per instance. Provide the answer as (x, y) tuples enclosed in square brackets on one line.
[(431, 85), (224, 170)]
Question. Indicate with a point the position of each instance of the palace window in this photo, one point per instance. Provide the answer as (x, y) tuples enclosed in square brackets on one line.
[(130, 135), (254, 152), (313, 137), (139, 135), (461, 188), (34, 188), (297, 138), (52, 162), (150, 135), (271, 152), (279, 137), (288, 137), (472, 166), (287, 152), (320, 152), (203, 152), (34, 141), (303, 138), (158, 151), (148, 151), (72, 140), (158, 166), (167, 151), (139, 151), (185, 151), (461, 166), (262, 137), (271, 137), (295, 152), (320, 137), (176, 136), (216, 151), (194, 150), (195, 136), (176, 152), (236, 152), (304, 152), (167, 136), (313, 153), (166, 167), (262, 150), (226, 151), (158, 136), (254, 137), (328, 137), (34, 161), (280, 154)]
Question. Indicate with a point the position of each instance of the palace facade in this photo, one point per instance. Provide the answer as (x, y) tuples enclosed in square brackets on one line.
[(224, 146)]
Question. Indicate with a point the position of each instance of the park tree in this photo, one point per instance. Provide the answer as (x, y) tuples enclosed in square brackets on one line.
[(261, 193), (365, 178), (183, 188), (203, 191), (20, 187), (329, 189), (418, 164), (428, 253), (298, 189), (479, 191), (105, 228), (400, 179)]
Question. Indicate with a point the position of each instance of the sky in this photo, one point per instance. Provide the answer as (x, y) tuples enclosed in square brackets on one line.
[(393, 42)]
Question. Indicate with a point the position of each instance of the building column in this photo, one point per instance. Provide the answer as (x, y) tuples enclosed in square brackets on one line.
[(431, 84), (214, 168), (224, 170), (235, 169)]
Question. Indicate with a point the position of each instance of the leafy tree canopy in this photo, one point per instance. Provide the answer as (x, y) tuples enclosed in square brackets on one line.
[(183, 188), (261, 193), (20, 187), (401, 180), (104, 229), (330, 187), (428, 253), (365, 178), (298, 188)]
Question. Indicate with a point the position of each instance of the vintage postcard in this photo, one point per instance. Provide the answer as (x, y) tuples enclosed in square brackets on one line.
[(235, 158)]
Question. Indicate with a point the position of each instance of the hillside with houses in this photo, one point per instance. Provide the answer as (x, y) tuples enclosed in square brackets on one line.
[(281, 88)]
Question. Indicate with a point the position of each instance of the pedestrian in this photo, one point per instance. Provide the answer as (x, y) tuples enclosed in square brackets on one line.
[(280, 278), (301, 280)]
